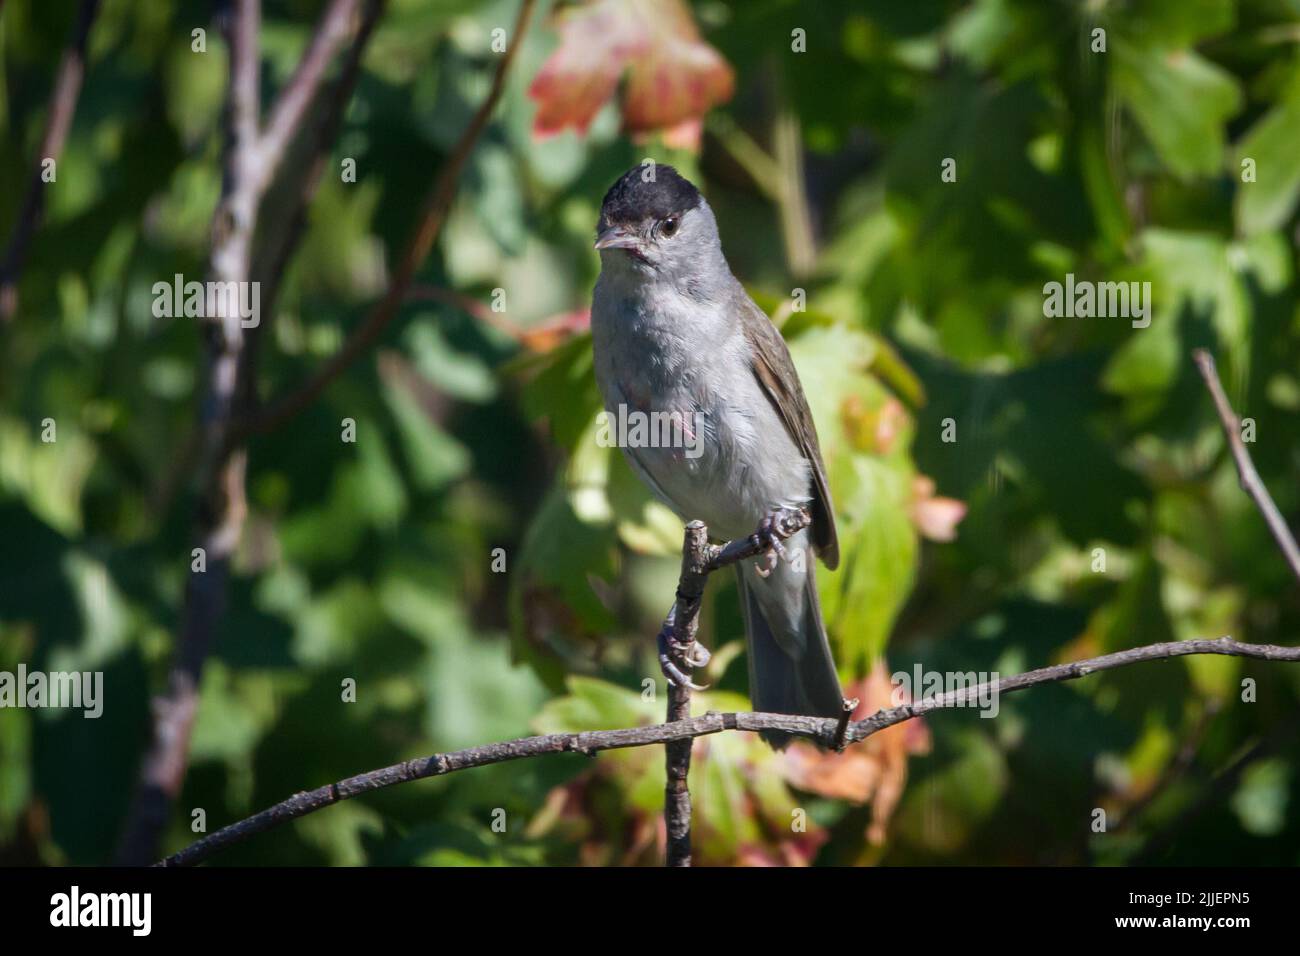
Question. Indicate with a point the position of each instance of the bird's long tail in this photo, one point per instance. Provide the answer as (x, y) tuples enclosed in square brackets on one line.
[(790, 666)]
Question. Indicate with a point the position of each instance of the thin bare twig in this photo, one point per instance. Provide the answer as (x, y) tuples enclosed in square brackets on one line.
[(423, 292), (847, 707), (820, 729), (745, 151), (1250, 480), (284, 246), (428, 226), (63, 104), (289, 110)]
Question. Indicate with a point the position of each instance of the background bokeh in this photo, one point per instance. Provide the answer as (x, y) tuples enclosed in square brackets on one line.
[(475, 431)]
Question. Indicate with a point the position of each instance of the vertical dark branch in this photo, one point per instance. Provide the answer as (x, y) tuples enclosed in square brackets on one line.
[(221, 469), (63, 104), (249, 163), (1250, 480), (677, 795), (679, 655), (696, 555)]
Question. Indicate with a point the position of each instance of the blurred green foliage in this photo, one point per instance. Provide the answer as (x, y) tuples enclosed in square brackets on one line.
[(374, 560)]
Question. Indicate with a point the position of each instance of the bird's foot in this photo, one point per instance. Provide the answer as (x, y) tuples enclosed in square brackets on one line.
[(674, 655), (778, 525)]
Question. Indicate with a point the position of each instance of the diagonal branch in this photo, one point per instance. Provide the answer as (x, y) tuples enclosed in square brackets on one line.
[(428, 226), (1250, 480), (63, 104), (291, 107), (324, 135), (820, 729)]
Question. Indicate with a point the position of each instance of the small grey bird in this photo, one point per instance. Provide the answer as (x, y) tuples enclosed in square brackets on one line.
[(675, 333)]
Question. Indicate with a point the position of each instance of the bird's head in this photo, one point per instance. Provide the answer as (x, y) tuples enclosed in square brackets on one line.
[(655, 221)]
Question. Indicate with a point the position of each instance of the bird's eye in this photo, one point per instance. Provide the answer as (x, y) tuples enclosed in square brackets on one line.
[(668, 228)]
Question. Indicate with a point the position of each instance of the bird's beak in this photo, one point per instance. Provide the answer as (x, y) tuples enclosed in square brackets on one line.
[(616, 237)]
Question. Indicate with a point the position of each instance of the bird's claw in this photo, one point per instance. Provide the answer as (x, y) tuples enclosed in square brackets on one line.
[(768, 537), (697, 655), (692, 655), (676, 677)]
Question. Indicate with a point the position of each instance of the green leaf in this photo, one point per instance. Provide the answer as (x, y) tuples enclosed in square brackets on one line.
[(944, 810), (1260, 803), (562, 389), (434, 457), (48, 475), (1148, 362), (1178, 23), (1200, 272), (461, 375), (1182, 102), (235, 711), (552, 603), (1272, 144), (878, 547)]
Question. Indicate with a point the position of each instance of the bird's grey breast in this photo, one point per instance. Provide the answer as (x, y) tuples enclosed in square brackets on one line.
[(660, 350)]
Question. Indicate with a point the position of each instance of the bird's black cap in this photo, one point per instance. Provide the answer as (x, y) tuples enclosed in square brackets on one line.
[(632, 199)]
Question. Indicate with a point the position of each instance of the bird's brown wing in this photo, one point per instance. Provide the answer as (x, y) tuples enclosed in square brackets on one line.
[(775, 371)]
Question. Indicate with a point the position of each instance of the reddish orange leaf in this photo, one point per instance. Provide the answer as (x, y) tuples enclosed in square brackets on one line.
[(555, 330), (936, 518), (673, 76), (874, 429)]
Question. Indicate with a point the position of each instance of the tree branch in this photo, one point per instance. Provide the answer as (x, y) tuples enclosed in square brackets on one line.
[(678, 649), (220, 516), (680, 627), (428, 226), (1250, 480), (291, 106), (283, 246), (820, 729), (63, 104), (249, 164)]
